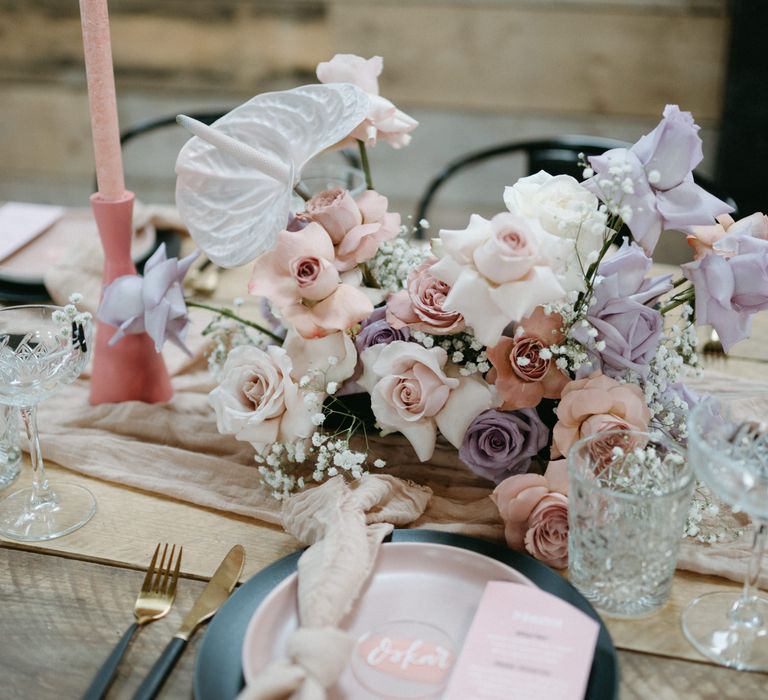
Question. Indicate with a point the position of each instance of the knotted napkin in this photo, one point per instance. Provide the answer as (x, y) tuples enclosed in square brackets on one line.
[(344, 524)]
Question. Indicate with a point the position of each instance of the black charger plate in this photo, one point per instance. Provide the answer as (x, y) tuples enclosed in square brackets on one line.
[(218, 670)]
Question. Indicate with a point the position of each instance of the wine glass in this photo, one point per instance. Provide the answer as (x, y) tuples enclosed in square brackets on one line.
[(42, 348), (728, 449)]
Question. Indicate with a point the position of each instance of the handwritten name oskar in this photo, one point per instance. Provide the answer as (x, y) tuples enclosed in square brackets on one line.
[(410, 659)]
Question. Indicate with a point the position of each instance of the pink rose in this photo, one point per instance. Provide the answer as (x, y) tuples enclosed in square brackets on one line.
[(510, 252), (257, 400), (521, 375), (335, 210), (704, 238), (498, 272), (597, 404), (300, 277), (420, 305), (384, 119), (534, 509), (357, 227), (547, 536), (412, 394)]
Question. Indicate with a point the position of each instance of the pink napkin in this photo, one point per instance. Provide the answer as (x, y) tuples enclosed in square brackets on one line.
[(345, 525)]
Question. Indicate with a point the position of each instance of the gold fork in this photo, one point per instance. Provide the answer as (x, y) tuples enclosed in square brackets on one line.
[(154, 601)]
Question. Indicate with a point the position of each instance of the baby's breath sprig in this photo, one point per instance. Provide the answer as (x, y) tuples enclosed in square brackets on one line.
[(463, 350)]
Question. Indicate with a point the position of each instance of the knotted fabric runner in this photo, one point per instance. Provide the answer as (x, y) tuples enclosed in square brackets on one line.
[(344, 526)]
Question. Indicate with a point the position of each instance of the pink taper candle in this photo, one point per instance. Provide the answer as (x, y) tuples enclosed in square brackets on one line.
[(101, 96)]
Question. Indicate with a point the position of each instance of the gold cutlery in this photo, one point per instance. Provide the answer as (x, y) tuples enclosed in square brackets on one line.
[(154, 601), (206, 605)]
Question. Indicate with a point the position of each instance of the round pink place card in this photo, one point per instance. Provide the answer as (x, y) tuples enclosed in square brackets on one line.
[(409, 622)]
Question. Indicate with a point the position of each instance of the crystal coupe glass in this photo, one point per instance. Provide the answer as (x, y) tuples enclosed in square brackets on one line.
[(42, 348), (728, 448)]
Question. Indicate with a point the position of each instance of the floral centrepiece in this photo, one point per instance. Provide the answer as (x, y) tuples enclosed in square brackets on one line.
[(511, 338)]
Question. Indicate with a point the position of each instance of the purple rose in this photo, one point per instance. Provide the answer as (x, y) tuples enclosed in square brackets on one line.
[(376, 331), (627, 326), (715, 283), (656, 181), (498, 444)]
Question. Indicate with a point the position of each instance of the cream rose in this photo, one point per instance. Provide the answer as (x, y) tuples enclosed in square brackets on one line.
[(412, 394), (567, 211), (257, 400)]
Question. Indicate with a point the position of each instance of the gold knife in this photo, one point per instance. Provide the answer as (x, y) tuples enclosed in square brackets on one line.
[(205, 607)]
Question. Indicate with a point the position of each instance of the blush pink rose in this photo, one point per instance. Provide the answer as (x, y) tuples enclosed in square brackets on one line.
[(356, 227), (384, 119), (412, 394), (534, 509), (258, 400), (420, 305), (547, 536), (704, 238), (524, 384), (597, 404), (300, 277)]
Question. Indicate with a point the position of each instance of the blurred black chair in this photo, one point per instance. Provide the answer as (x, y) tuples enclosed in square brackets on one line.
[(558, 156)]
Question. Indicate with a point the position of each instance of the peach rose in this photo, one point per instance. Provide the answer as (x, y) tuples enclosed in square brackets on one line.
[(594, 405), (384, 119), (521, 375), (356, 227), (534, 509), (547, 536), (703, 238), (420, 305), (300, 277)]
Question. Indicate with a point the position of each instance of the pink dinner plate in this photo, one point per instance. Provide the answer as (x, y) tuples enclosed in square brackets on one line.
[(408, 624)]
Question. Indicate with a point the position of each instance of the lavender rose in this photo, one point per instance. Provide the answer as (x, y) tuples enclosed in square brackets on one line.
[(498, 444), (376, 331), (628, 330)]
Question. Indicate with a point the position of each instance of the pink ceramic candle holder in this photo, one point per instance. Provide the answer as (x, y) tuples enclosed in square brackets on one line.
[(130, 370)]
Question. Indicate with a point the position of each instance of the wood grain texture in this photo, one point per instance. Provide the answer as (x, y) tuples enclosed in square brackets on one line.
[(61, 618), (129, 523)]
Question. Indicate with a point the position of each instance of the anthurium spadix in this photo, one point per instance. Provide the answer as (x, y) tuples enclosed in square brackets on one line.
[(235, 177)]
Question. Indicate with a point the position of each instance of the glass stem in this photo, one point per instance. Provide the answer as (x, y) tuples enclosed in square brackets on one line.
[(40, 490), (744, 611)]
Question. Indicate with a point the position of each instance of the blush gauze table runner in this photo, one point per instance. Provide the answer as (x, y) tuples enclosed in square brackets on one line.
[(174, 449)]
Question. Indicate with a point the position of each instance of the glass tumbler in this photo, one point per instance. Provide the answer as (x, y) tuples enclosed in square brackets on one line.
[(629, 495)]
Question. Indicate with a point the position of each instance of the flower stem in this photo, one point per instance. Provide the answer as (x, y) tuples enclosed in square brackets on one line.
[(684, 297), (679, 281), (231, 314), (366, 165)]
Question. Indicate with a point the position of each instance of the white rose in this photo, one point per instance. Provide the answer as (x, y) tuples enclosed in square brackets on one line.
[(311, 356), (257, 400), (564, 209)]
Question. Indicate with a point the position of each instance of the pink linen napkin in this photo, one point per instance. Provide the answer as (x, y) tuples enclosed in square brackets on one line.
[(344, 525)]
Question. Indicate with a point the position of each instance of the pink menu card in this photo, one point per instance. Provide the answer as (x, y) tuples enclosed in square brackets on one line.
[(524, 643)]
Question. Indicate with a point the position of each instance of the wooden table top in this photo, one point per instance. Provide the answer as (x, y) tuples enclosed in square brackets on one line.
[(67, 602)]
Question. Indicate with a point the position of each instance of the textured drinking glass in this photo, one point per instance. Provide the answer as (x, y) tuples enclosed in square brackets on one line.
[(319, 177), (42, 348), (10, 449), (728, 448), (629, 494)]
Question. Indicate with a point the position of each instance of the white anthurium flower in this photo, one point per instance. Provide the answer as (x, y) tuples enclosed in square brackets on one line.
[(499, 271), (236, 177), (411, 393), (334, 356)]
